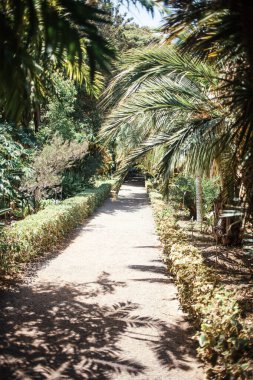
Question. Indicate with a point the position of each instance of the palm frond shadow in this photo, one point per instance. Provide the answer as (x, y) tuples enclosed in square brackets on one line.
[(52, 331), (160, 269), (182, 349), (129, 205)]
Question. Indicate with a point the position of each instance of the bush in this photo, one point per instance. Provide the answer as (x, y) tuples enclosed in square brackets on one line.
[(40, 232), (166, 225), (182, 190), (224, 338), (52, 161)]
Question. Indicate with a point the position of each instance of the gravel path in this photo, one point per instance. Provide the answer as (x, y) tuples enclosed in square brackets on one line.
[(104, 308)]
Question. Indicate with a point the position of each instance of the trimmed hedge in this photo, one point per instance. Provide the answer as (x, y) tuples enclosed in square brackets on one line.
[(41, 232), (225, 341)]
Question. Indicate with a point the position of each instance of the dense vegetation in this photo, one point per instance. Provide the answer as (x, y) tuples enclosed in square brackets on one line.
[(50, 154), (224, 335), (50, 115), (85, 93)]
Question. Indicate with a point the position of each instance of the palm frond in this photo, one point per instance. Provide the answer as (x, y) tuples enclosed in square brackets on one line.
[(37, 35), (154, 62)]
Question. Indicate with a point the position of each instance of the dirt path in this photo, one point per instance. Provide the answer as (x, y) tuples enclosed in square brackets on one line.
[(104, 308)]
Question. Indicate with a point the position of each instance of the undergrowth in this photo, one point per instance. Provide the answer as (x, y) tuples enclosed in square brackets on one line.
[(224, 337)]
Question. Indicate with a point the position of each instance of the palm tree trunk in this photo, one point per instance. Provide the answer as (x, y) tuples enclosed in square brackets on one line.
[(199, 199), (245, 8)]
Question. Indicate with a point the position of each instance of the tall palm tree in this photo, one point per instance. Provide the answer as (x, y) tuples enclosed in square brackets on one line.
[(223, 31)]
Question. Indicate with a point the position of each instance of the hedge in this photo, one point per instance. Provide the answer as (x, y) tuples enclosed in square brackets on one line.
[(225, 340), (39, 233)]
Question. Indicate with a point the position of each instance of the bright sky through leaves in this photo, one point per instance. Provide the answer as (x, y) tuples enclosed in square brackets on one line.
[(141, 16)]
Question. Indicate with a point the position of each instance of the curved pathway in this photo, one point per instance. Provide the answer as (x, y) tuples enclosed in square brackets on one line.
[(104, 308)]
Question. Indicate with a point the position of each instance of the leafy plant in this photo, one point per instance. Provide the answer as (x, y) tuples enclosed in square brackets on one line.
[(3, 212), (62, 115), (39, 233), (39, 36), (182, 190), (14, 158), (51, 162), (225, 340)]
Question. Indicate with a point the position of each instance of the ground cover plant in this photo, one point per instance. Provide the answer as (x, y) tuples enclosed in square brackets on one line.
[(225, 336)]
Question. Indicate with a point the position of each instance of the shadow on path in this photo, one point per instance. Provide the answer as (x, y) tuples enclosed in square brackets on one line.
[(72, 330), (127, 202), (161, 269), (61, 332)]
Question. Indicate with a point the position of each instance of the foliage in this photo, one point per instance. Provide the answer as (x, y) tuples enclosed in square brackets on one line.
[(51, 162), (169, 100), (38, 35), (167, 228), (95, 164), (123, 33), (15, 148), (221, 31), (182, 190), (192, 110), (139, 37), (39, 233), (61, 115), (60, 168), (223, 337), (225, 340)]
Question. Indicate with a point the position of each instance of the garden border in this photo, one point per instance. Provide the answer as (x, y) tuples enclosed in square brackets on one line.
[(41, 232), (225, 341)]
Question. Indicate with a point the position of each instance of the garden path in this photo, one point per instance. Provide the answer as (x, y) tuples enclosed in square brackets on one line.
[(104, 308)]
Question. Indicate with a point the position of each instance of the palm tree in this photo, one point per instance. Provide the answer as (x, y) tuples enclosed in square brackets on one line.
[(38, 36), (222, 31), (199, 201), (166, 102), (166, 99)]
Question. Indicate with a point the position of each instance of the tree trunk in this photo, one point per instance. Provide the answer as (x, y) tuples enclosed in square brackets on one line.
[(199, 199), (245, 9)]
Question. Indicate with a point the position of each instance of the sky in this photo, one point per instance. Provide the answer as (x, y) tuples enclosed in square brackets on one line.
[(141, 16)]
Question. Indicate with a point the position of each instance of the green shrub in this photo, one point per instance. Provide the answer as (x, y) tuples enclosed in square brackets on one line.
[(225, 341), (166, 225), (182, 191), (40, 232), (223, 337), (49, 164)]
